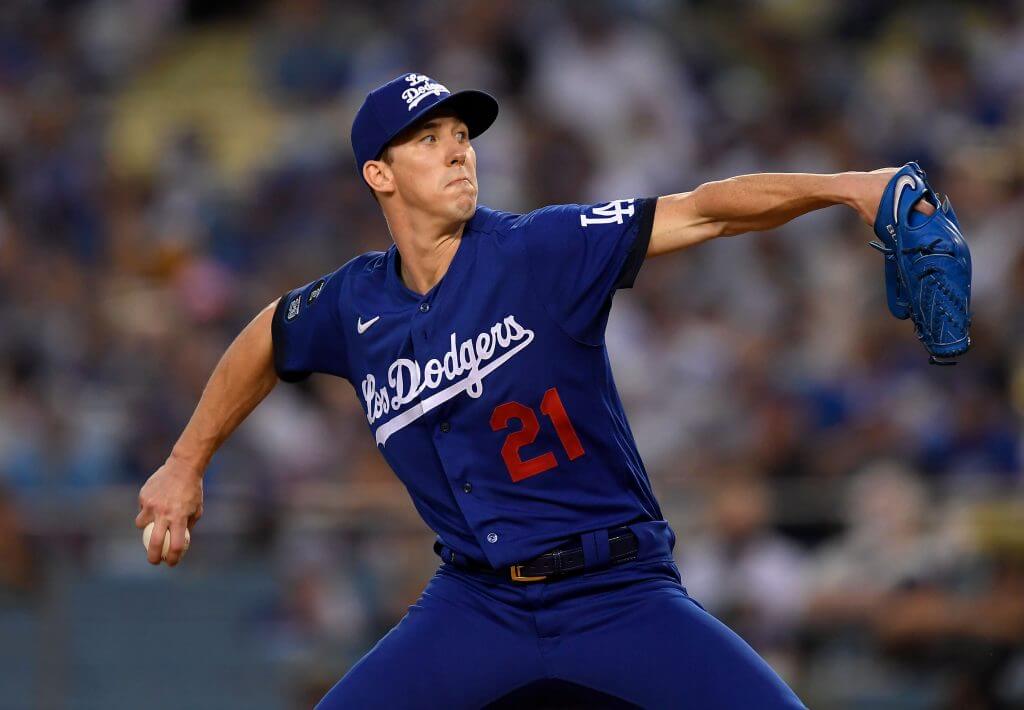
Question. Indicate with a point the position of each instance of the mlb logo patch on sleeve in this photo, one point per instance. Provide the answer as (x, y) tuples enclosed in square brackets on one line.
[(315, 293), (293, 308)]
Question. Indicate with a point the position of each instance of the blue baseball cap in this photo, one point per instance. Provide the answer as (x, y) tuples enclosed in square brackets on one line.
[(390, 109)]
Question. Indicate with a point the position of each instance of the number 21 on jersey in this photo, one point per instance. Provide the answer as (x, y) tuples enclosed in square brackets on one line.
[(551, 407)]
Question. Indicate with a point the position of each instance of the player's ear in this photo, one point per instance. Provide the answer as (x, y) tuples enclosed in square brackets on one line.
[(378, 176)]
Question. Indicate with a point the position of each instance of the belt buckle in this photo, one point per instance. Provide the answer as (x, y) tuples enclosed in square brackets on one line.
[(517, 575)]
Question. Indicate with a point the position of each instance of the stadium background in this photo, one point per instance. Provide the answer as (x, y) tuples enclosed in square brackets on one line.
[(167, 168)]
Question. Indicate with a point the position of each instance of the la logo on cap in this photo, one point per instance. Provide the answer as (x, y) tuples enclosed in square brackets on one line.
[(420, 87)]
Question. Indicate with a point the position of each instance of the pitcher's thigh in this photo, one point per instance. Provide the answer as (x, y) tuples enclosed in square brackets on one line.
[(659, 649), (439, 655)]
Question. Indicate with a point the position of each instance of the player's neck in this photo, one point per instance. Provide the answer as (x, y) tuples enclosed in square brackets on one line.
[(426, 255)]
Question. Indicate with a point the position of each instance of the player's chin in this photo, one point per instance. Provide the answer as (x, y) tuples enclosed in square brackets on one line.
[(462, 205)]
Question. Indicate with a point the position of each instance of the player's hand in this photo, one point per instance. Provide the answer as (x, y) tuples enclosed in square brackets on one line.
[(172, 499), (863, 193)]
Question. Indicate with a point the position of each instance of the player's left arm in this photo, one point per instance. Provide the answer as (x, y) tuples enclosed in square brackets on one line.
[(752, 203)]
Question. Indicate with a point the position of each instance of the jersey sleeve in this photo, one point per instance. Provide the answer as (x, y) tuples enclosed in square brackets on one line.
[(580, 254), (306, 330)]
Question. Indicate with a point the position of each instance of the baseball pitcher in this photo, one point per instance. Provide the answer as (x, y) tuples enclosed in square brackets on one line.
[(475, 345)]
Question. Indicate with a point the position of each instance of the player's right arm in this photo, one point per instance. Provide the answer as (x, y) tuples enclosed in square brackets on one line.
[(173, 496)]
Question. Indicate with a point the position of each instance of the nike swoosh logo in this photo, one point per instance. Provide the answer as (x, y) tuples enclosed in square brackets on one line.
[(361, 327), (902, 184)]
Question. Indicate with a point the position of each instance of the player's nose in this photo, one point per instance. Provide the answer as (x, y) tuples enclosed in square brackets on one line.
[(458, 156), (457, 153)]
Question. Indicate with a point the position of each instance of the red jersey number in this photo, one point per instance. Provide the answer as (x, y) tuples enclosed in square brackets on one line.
[(551, 406)]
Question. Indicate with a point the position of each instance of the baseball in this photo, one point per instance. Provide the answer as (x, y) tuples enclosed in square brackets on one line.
[(148, 533)]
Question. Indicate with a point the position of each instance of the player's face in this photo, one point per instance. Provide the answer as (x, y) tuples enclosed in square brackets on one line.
[(433, 168)]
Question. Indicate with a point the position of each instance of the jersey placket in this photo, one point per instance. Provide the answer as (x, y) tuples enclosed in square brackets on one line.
[(425, 325)]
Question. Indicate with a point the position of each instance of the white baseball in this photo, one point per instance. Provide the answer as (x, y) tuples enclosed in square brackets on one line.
[(148, 533)]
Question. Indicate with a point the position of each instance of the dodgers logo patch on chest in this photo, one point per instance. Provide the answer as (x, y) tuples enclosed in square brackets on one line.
[(461, 369)]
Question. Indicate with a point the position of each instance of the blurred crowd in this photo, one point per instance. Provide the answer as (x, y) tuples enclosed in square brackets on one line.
[(167, 168)]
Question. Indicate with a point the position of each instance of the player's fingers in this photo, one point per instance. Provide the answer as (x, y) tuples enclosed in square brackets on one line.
[(142, 519), (156, 542), (923, 205), (194, 518), (177, 548)]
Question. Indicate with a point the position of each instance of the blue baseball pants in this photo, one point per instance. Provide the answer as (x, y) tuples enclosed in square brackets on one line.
[(625, 636)]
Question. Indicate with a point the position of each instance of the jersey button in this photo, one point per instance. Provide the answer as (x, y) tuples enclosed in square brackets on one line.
[(445, 428), (467, 487), (424, 307)]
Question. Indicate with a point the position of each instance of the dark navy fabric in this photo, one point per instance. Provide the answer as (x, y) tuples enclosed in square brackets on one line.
[(629, 632), (596, 552), (313, 345), (491, 396)]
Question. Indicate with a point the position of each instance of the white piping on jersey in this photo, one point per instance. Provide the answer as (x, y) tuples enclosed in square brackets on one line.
[(409, 380)]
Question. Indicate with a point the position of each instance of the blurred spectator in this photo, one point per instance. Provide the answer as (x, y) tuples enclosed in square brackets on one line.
[(19, 566), (880, 579), (888, 544), (745, 574)]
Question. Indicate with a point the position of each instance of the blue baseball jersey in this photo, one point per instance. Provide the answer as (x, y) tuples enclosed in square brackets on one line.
[(491, 396)]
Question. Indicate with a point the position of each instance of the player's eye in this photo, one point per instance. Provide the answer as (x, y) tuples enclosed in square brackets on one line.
[(429, 138), (461, 136)]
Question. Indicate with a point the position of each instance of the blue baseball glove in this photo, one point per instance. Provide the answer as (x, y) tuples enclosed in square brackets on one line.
[(927, 265)]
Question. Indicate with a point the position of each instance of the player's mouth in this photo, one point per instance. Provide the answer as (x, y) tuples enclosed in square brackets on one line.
[(459, 181)]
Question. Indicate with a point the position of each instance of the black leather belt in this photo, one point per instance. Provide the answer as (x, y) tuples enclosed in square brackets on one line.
[(562, 561)]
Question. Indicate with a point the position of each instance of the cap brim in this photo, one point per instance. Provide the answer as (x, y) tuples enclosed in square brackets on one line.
[(477, 108)]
